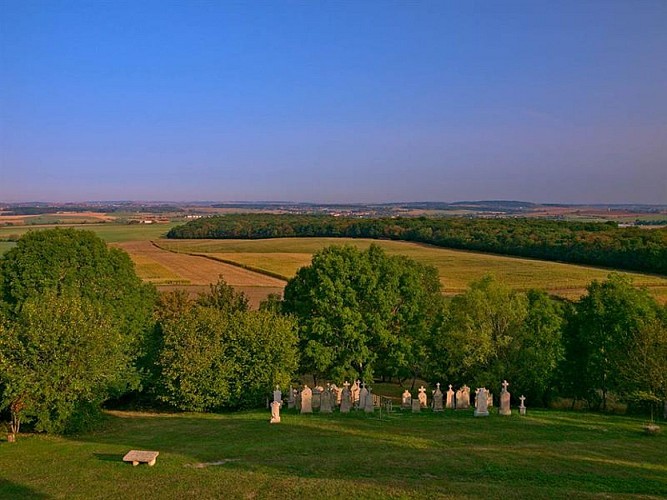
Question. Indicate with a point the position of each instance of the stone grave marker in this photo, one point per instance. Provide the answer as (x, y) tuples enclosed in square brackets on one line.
[(327, 401), (278, 395), (463, 398), (437, 398), (522, 408), (306, 400), (423, 401), (363, 395), (291, 400), (481, 403), (346, 398), (406, 400), (368, 402), (356, 389), (416, 406), (275, 413), (505, 400), (450, 398)]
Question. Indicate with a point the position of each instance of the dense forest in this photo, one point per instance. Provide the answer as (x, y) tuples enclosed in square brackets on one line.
[(602, 244)]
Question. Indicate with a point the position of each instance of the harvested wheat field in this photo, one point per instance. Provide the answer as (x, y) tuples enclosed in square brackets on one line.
[(193, 273)]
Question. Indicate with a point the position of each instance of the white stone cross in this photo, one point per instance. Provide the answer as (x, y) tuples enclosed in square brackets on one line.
[(346, 384), (522, 398), (505, 384), (422, 389), (450, 387)]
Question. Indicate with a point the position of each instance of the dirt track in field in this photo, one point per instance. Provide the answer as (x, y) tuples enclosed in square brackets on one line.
[(200, 270)]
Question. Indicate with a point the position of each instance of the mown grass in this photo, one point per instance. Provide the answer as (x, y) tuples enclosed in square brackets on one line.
[(284, 256), (546, 454)]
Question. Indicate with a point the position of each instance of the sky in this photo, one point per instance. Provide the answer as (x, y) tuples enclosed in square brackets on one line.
[(334, 101)]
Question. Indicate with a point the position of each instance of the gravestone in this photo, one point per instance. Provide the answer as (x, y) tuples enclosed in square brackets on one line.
[(336, 392), (522, 408), (437, 398), (278, 395), (416, 406), (450, 398), (346, 398), (406, 400), (327, 401), (356, 389), (297, 399), (368, 406), (275, 413), (317, 397), (306, 400), (363, 395), (505, 400), (463, 398), (481, 403), (291, 400), (423, 401)]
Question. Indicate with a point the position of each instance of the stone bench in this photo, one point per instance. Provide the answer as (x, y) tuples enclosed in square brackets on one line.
[(139, 456)]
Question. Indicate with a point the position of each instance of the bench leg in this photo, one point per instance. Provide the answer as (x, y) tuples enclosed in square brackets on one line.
[(135, 463), (151, 463)]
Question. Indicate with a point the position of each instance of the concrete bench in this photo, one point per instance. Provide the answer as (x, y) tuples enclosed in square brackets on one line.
[(139, 456)]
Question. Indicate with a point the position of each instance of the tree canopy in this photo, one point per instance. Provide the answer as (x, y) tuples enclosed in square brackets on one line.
[(362, 312)]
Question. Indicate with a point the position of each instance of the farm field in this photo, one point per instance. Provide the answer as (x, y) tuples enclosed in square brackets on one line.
[(457, 268), (546, 454), (109, 232)]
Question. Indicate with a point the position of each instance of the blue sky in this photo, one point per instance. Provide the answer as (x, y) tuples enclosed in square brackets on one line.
[(333, 101)]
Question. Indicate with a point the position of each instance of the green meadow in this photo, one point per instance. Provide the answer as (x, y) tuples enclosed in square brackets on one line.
[(109, 232), (546, 454)]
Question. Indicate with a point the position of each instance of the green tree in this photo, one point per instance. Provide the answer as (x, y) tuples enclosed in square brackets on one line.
[(60, 357), (77, 262), (212, 359), (476, 337), (492, 332), (361, 312), (78, 266), (607, 323)]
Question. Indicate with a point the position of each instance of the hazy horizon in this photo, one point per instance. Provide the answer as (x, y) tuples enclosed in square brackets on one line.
[(365, 102)]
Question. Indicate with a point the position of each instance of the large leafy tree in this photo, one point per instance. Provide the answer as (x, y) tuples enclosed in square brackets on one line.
[(491, 333), (60, 357), (76, 262), (67, 265), (606, 327), (362, 312), (212, 359)]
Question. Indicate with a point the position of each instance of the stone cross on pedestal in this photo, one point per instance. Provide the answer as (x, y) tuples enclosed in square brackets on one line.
[(522, 408), (437, 398), (450, 398), (278, 395), (423, 401), (346, 398), (363, 394), (505, 400)]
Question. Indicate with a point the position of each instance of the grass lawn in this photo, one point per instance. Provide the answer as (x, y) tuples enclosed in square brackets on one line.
[(547, 454), (283, 256)]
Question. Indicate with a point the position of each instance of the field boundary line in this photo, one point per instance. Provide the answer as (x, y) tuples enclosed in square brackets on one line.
[(246, 267)]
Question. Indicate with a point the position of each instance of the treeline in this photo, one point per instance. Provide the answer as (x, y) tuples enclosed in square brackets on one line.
[(78, 328), (601, 244), (364, 314)]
